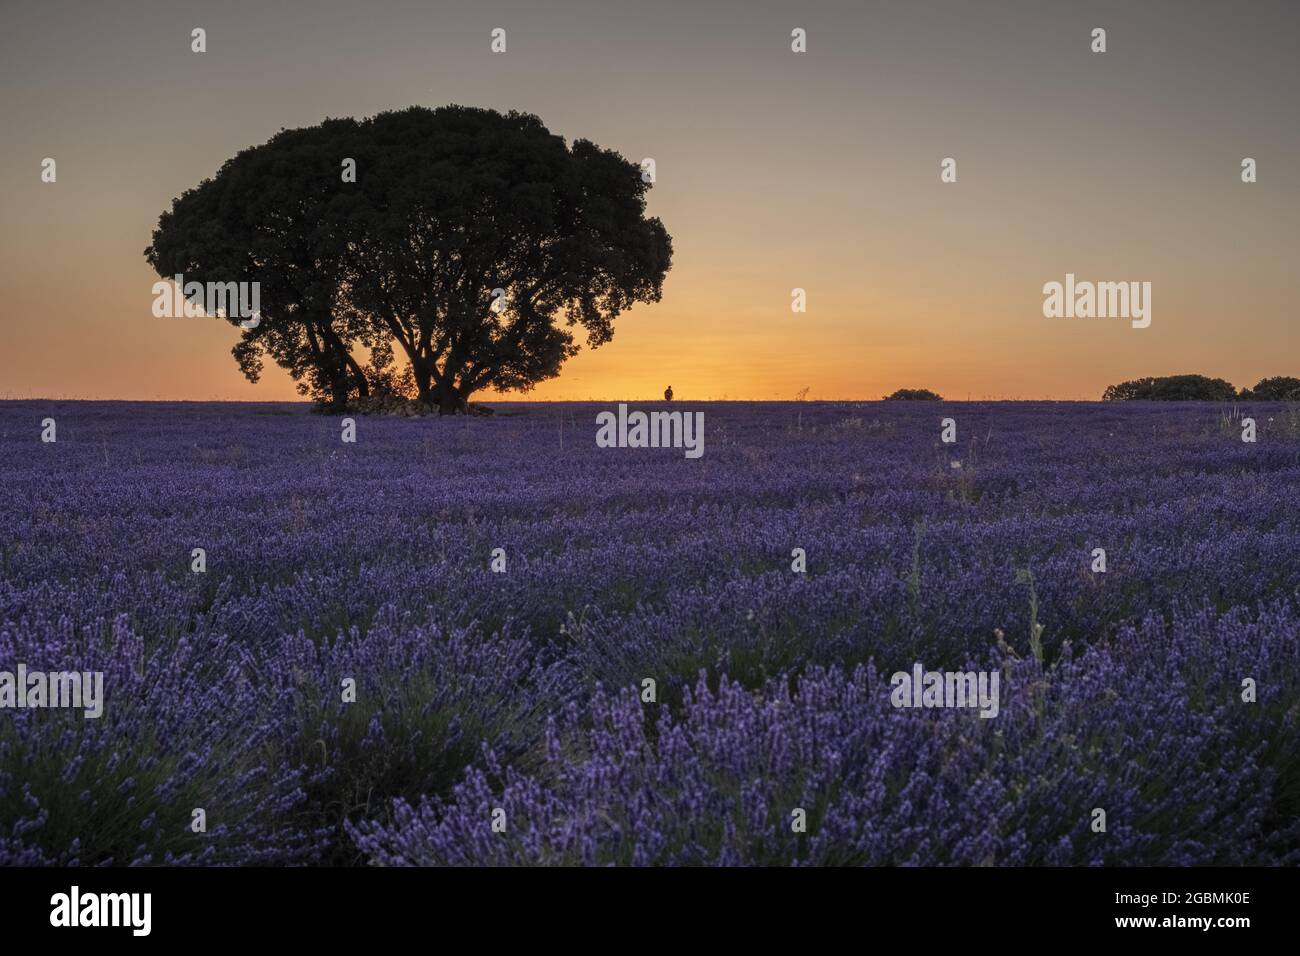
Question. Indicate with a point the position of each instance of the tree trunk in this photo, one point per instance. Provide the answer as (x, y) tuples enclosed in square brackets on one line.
[(339, 394), (449, 399), (340, 359), (363, 387), (423, 383)]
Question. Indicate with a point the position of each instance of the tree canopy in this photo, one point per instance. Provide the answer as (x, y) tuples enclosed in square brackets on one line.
[(471, 243)]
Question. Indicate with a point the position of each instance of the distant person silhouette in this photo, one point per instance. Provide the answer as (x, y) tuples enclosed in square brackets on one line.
[(668, 394)]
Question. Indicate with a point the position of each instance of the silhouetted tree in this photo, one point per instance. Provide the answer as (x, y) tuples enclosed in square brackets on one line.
[(465, 236), (1132, 390), (1172, 388), (1280, 388), (474, 230), (268, 216), (913, 395)]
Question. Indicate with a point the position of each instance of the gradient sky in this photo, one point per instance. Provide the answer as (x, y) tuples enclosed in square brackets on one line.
[(775, 170)]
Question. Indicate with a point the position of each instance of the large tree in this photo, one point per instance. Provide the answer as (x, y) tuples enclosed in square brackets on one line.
[(471, 242), (477, 230), (270, 216)]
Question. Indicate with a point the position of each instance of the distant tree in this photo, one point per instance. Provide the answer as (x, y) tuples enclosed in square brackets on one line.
[(1133, 390), (1172, 388), (914, 395), (465, 235), (1280, 388)]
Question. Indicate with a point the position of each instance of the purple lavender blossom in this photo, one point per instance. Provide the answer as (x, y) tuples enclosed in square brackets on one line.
[(521, 691)]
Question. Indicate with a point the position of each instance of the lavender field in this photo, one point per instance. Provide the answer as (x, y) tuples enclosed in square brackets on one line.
[(501, 716)]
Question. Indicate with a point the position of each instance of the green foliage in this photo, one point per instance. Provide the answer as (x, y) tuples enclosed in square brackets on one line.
[(1172, 388), (1280, 388)]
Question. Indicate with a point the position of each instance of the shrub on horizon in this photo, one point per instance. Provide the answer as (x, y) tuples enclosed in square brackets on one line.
[(1279, 388), (1172, 388), (913, 395)]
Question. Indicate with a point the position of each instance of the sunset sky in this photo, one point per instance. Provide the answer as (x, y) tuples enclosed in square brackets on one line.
[(775, 170)]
